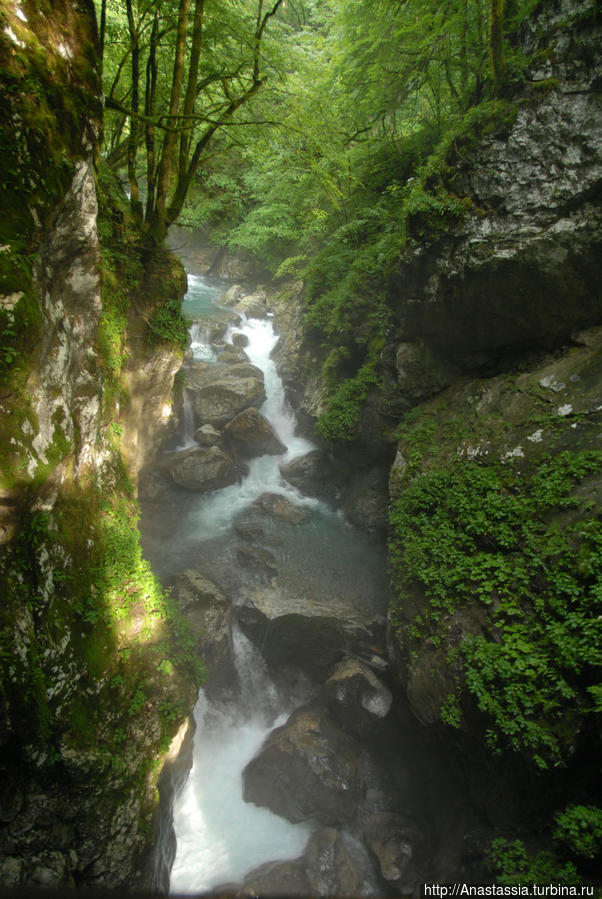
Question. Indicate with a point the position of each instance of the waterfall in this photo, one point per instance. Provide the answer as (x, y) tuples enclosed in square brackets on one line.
[(220, 838)]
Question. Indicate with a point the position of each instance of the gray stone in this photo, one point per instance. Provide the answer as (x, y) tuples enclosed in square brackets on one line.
[(208, 435), (252, 435), (220, 391), (399, 847), (357, 698), (301, 632), (307, 769), (202, 469), (240, 340), (283, 509), (313, 474), (207, 611)]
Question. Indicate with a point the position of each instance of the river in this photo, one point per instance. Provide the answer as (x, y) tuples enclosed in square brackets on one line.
[(219, 837)]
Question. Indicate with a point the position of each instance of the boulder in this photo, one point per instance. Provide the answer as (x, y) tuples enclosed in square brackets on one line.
[(307, 769), (233, 354), (252, 532), (207, 435), (240, 340), (207, 611), (299, 632), (254, 305), (326, 868), (357, 698), (314, 474), (252, 435), (283, 509), (202, 468), (367, 501), (398, 847), (232, 295), (221, 391), (257, 559)]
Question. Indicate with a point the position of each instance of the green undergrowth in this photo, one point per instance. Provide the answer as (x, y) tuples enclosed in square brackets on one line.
[(573, 857), (347, 278), (525, 547), (77, 588)]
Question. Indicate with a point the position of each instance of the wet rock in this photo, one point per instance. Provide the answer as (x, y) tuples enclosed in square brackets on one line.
[(234, 293), (257, 558), (253, 435), (367, 501), (326, 868), (307, 769), (232, 355), (207, 435), (253, 305), (240, 340), (313, 474), (250, 531), (202, 469), (207, 611), (283, 509), (151, 486), (294, 631), (221, 391), (357, 698), (398, 846)]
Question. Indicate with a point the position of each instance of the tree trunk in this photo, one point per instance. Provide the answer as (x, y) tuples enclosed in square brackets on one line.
[(158, 221), (134, 121), (496, 44)]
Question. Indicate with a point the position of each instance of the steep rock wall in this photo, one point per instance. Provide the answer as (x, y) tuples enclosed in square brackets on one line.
[(91, 690)]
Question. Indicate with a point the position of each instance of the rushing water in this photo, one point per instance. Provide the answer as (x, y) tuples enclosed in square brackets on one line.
[(220, 838)]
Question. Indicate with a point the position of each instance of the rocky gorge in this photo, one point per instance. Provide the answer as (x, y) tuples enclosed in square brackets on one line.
[(428, 678)]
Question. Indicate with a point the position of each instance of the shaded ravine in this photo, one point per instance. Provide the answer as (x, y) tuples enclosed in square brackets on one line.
[(323, 561)]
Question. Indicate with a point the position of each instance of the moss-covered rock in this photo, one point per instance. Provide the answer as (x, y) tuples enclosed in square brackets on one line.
[(495, 549)]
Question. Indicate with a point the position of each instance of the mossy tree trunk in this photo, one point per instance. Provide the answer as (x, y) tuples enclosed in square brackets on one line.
[(496, 44)]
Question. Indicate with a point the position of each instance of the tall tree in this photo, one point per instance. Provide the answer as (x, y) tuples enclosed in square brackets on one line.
[(204, 93)]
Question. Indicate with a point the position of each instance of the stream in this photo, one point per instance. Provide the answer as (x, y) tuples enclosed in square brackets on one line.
[(220, 838)]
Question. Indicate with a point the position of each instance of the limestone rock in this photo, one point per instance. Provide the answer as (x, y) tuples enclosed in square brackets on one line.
[(398, 846), (306, 769), (313, 474), (257, 558), (203, 469), (301, 632), (367, 500), (283, 509), (326, 868), (357, 698), (252, 435), (221, 391), (233, 354), (240, 340), (207, 611), (207, 435)]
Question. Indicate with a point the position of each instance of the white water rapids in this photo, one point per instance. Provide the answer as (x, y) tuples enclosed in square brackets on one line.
[(220, 838)]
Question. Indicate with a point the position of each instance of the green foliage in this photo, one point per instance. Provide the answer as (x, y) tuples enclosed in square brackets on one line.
[(341, 418), (579, 828), (168, 324), (481, 534), (514, 865)]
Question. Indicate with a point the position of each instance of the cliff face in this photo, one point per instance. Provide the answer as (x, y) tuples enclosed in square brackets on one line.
[(491, 398), (91, 692)]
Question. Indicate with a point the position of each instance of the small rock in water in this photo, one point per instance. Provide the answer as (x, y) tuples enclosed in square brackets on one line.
[(258, 558), (282, 508), (240, 340)]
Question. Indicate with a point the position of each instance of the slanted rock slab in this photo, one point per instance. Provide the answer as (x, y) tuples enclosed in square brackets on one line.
[(307, 769), (253, 435)]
